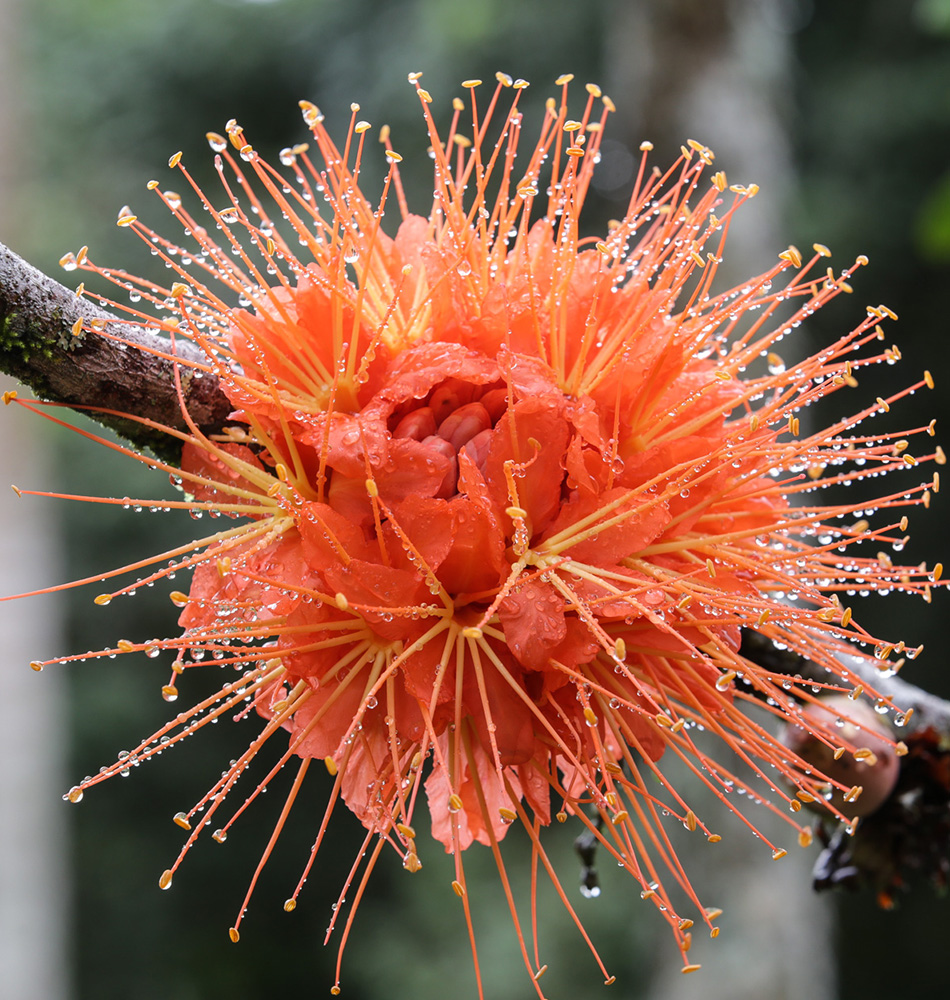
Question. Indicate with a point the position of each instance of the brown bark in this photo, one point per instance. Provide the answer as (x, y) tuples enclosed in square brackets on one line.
[(38, 347)]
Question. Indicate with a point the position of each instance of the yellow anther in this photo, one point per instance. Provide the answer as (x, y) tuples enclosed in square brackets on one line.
[(330, 764), (181, 819), (839, 753), (393, 156), (508, 815), (714, 838), (458, 888), (928, 380), (646, 146), (341, 601), (468, 84), (166, 879), (866, 755), (407, 831), (590, 715), (425, 96), (805, 837), (792, 255), (821, 250), (125, 646), (361, 126), (472, 632), (234, 934), (727, 678), (170, 692), (102, 600), (175, 159), (290, 905), (564, 78)]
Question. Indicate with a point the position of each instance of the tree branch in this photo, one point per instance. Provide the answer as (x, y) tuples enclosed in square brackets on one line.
[(910, 832), (38, 347)]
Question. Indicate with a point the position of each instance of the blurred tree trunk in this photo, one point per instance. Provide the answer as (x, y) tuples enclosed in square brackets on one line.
[(34, 888), (718, 71)]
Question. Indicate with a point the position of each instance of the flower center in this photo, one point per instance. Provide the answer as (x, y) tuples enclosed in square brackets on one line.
[(455, 417)]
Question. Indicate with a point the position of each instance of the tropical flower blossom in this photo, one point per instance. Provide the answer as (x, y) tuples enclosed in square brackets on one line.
[(506, 497)]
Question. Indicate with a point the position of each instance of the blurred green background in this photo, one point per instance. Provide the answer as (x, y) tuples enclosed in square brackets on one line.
[(845, 108)]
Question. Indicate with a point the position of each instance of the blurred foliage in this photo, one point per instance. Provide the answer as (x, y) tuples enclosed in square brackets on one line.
[(117, 86)]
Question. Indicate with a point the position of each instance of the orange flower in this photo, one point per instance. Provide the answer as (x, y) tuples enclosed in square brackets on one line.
[(509, 495)]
